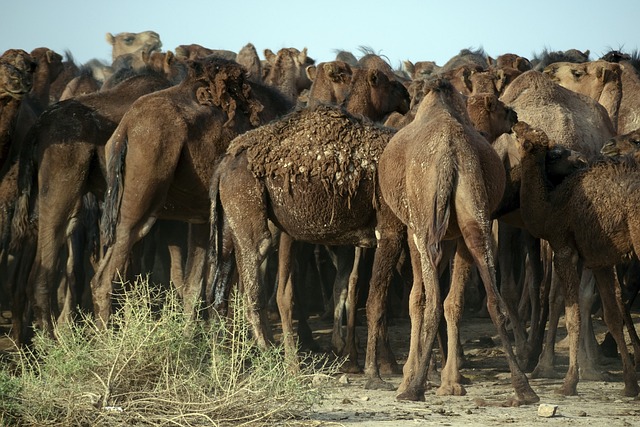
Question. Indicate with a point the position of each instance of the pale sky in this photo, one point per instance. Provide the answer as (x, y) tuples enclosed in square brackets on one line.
[(398, 29)]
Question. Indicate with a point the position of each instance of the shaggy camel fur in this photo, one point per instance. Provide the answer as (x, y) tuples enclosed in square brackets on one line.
[(182, 131), (443, 180), (373, 94), (576, 219), (65, 160), (313, 174), (629, 116)]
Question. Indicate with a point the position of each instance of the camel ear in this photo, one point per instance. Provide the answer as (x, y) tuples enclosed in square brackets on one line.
[(169, 58), (311, 72), (374, 77), (490, 103), (409, 67), (110, 39), (270, 56), (204, 96), (302, 57)]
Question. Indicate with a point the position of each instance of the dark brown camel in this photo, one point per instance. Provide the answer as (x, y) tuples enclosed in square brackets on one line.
[(576, 219), (313, 174), (576, 122), (443, 180), (64, 161), (182, 131)]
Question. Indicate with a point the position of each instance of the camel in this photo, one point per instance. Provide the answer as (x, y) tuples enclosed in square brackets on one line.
[(313, 174), (621, 145), (600, 80), (139, 43), (286, 71), (628, 117), (182, 131), (249, 59), (420, 69), (575, 218), (576, 122), (54, 176), (196, 51), (364, 91), (442, 179), (546, 57)]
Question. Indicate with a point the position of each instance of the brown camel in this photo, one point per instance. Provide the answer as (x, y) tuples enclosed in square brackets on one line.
[(182, 131), (139, 43), (621, 145), (629, 114), (65, 161), (576, 219), (577, 122), (313, 174), (286, 71), (600, 80), (443, 180)]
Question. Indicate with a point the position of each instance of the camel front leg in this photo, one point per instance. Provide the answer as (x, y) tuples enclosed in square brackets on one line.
[(565, 262)]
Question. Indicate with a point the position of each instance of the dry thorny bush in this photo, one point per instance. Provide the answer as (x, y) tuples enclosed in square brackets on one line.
[(155, 366)]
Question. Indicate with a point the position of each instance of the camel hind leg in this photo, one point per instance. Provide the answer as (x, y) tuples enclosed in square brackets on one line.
[(477, 238), (425, 318)]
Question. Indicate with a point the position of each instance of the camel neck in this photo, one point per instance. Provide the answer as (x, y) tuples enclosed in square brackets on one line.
[(534, 193)]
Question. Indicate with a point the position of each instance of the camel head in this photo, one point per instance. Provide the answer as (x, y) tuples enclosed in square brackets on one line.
[(490, 116), (531, 140), (16, 73), (223, 84), (139, 43), (620, 145)]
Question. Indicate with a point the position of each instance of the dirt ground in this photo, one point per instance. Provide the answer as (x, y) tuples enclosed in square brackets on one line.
[(598, 403), (346, 403)]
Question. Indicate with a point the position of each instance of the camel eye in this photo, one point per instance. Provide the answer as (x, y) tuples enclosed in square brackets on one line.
[(577, 73), (635, 141), (128, 40)]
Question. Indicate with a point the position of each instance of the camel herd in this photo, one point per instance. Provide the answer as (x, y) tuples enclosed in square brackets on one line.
[(216, 165)]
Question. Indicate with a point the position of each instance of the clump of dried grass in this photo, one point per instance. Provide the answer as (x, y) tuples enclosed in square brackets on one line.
[(155, 367)]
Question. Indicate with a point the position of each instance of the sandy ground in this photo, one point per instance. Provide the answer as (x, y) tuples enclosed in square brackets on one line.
[(345, 401), (597, 404)]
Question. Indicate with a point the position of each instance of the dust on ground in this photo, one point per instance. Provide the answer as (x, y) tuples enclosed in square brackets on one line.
[(347, 403)]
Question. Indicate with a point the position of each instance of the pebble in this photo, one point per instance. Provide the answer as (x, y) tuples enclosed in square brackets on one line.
[(547, 410), (344, 379)]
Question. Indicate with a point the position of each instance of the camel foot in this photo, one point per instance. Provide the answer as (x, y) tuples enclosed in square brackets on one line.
[(591, 374), (378, 384), (389, 368), (526, 397), (310, 345), (545, 372), (631, 390), (411, 394), (350, 367), (567, 390), (451, 389)]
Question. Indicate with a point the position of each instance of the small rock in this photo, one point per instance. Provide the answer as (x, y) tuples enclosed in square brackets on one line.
[(346, 401), (582, 414), (469, 412), (344, 379), (547, 410), (365, 398)]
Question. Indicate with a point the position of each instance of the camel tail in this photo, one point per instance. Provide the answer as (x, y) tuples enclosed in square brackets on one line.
[(27, 181), (447, 175), (222, 264), (113, 196)]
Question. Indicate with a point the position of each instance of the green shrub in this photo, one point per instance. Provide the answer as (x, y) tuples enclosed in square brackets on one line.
[(154, 366)]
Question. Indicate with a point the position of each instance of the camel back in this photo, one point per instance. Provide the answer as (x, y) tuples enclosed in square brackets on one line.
[(322, 143)]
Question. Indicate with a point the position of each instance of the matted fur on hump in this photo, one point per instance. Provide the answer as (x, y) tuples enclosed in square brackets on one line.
[(323, 143)]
